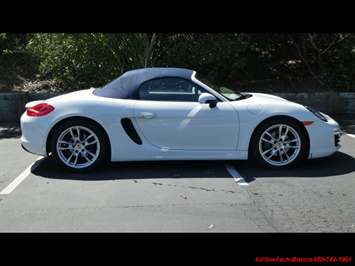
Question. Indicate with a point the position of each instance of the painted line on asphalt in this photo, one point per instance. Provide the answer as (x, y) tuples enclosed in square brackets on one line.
[(21, 177), (237, 177), (350, 135)]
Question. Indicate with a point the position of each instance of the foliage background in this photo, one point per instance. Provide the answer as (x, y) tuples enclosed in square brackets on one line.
[(271, 62)]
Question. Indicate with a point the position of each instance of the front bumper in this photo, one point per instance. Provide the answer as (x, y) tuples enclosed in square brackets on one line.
[(324, 138)]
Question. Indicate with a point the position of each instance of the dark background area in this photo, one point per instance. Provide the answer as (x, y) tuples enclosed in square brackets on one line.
[(262, 62)]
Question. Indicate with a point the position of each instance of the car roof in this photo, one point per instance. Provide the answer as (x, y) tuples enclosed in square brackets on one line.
[(126, 86)]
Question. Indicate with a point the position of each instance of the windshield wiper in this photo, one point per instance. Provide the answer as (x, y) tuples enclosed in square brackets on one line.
[(243, 96)]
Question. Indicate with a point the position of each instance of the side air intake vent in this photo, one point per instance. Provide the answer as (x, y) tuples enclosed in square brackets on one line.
[(130, 130)]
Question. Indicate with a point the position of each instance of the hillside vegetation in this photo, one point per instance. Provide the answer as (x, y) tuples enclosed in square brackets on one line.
[(269, 62)]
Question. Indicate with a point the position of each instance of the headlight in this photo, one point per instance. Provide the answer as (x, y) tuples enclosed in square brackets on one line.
[(316, 113)]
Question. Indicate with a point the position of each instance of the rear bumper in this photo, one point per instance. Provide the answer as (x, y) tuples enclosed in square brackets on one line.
[(34, 135)]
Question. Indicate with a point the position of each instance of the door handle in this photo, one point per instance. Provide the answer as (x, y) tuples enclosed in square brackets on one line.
[(146, 115)]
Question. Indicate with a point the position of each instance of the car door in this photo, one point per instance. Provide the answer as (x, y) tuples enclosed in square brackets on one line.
[(170, 117)]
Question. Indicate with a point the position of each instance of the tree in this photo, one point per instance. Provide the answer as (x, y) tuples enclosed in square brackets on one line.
[(16, 64), (298, 61), (327, 58), (90, 59)]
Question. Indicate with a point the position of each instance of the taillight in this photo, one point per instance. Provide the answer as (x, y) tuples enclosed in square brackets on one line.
[(41, 109)]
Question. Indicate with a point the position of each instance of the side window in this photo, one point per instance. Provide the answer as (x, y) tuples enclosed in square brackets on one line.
[(170, 89)]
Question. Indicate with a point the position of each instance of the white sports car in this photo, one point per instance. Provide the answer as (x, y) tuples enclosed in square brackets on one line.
[(174, 114)]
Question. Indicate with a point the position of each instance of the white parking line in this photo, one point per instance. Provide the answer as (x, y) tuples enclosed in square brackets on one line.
[(350, 135), (21, 177), (237, 177)]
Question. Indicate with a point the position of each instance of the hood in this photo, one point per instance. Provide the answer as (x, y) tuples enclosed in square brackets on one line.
[(258, 103), (265, 98)]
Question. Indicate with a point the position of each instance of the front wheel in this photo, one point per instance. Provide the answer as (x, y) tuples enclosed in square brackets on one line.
[(279, 143), (79, 146)]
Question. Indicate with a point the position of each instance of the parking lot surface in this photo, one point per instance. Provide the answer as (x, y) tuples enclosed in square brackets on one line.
[(179, 196)]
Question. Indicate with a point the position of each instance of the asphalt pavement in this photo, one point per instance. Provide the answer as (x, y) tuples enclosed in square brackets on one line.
[(178, 196)]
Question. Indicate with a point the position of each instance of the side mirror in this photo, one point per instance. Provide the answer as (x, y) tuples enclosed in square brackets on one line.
[(208, 98)]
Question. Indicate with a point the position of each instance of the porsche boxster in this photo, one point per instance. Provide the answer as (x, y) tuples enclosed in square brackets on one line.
[(167, 113)]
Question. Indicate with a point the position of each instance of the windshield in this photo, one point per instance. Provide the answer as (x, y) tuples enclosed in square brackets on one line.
[(226, 92)]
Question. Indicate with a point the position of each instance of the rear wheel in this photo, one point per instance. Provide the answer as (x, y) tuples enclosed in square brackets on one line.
[(79, 146), (279, 143)]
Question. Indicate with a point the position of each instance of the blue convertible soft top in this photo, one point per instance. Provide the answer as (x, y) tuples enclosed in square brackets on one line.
[(126, 86)]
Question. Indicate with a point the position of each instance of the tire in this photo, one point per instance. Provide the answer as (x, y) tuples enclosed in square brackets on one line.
[(279, 143), (79, 146)]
